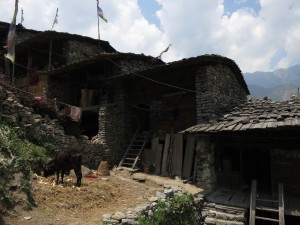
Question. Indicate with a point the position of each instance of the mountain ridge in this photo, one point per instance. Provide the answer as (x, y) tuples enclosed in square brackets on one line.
[(279, 85)]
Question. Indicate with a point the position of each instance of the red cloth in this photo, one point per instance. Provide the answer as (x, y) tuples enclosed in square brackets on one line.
[(39, 99)]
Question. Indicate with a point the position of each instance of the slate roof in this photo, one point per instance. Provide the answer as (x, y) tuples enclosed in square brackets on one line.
[(107, 57), (254, 115), (41, 40), (202, 60)]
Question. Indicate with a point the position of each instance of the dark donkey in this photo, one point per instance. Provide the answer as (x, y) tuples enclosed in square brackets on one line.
[(64, 161)]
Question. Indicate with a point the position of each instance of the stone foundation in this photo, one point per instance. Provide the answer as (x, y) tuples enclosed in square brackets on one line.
[(205, 165)]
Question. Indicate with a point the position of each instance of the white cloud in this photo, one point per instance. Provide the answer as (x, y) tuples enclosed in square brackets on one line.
[(193, 27), (251, 39)]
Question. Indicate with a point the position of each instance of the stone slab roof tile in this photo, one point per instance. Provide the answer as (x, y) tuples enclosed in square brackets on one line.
[(255, 114)]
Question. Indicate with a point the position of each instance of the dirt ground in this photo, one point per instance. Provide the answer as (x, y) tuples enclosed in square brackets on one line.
[(69, 205)]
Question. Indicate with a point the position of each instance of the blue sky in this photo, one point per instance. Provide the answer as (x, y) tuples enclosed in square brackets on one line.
[(231, 6), (149, 9), (259, 35)]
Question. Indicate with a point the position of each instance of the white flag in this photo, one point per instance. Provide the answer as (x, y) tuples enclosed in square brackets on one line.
[(101, 14)]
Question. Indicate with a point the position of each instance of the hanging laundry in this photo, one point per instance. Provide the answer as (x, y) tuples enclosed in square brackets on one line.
[(39, 99), (75, 113)]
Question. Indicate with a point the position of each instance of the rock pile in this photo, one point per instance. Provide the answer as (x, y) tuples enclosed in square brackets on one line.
[(130, 217), (213, 213), (22, 116)]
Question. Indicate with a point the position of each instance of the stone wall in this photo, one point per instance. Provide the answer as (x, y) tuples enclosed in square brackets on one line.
[(205, 164), (212, 213), (24, 34), (147, 210), (218, 90), (75, 51), (115, 130), (24, 117), (132, 65)]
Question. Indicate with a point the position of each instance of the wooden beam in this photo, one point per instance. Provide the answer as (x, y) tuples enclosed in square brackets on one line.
[(164, 166), (253, 202), (50, 54)]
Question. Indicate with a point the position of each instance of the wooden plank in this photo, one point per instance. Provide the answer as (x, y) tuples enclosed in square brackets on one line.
[(223, 196), (177, 155), (226, 128), (258, 125), (238, 127), (1, 111), (266, 218), (271, 124), (188, 156), (246, 126), (212, 197), (288, 122), (212, 128), (164, 165), (234, 122), (265, 124), (195, 169), (203, 128), (219, 127), (297, 121), (252, 202), (281, 204), (240, 199), (158, 154)]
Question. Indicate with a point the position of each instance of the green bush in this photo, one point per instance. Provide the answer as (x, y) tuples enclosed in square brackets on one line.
[(19, 155), (178, 211)]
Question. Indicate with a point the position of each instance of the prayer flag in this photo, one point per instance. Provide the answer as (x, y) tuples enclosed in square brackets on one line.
[(167, 49), (22, 16), (101, 14), (55, 19), (11, 37)]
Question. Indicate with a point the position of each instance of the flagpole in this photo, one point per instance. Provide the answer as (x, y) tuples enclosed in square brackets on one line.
[(98, 25), (13, 74)]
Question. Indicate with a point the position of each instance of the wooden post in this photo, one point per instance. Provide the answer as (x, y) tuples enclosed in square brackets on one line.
[(98, 25), (50, 54), (253, 202), (281, 204), (13, 74), (241, 169), (1, 111)]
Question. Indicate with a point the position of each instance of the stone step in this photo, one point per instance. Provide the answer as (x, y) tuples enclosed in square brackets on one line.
[(223, 215), (226, 209), (211, 221), (226, 216)]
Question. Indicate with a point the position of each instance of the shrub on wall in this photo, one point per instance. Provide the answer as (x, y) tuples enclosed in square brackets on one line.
[(18, 157), (178, 211)]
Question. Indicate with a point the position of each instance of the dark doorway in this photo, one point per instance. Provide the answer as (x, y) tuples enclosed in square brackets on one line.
[(144, 117), (256, 165), (89, 123), (228, 169)]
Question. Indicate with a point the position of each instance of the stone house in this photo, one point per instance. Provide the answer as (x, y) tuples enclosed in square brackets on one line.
[(124, 93), (23, 34), (257, 140)]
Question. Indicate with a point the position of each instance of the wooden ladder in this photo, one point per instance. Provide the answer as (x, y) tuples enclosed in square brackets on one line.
[(257, 204), (133, 151)]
